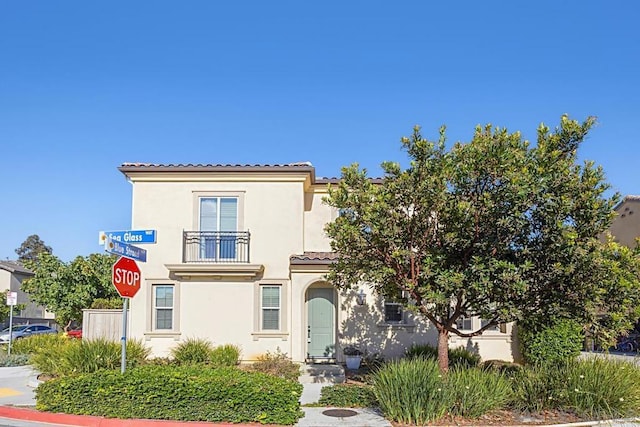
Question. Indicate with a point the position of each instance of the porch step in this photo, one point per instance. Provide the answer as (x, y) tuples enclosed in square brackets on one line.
[(321, 373)]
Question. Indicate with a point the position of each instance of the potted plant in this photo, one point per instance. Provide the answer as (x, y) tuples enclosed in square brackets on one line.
[(353, 357)]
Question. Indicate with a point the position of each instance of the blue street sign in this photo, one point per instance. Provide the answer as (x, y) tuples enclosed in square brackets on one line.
[(125, 250), (129, 236)]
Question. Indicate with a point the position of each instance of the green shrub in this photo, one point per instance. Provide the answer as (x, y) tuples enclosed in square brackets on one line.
[(372, 361), (44, 351), (85, 356), (554, 344), (594, 388), (348, 396), (13, 359), (461, 357), (508, 368), (192, 350), (457, 356), (474, 392), (602, 388), (161, 361), (410, 390), (225, 355), (185, 393), (426, 351), (413, 391), (38, 343), (535, 388), (277, 364)]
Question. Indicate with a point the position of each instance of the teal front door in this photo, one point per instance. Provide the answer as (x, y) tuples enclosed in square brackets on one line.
[(321, 323)]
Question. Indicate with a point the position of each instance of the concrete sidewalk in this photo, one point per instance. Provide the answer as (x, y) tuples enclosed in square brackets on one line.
[(312, 385), (17, 386)]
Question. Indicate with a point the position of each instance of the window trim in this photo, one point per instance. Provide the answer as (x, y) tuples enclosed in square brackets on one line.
[(283, 332)]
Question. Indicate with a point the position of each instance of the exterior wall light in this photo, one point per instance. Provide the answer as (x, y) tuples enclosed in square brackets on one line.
[(361, 297)]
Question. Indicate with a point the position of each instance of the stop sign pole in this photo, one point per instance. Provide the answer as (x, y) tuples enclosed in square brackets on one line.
[(126, 279)]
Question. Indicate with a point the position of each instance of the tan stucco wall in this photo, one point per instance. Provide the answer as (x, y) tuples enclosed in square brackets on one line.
[(626, 225), (316, 216)]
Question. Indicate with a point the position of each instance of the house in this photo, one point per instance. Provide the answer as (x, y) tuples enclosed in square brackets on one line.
[(625, 227), (12, 274), (241, 257)]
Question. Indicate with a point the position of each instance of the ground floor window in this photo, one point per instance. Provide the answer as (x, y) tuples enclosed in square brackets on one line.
[(392, 312), (163, 300), (484, 322), (270, 307)]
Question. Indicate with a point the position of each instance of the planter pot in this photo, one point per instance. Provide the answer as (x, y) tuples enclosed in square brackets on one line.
[(353, 362)]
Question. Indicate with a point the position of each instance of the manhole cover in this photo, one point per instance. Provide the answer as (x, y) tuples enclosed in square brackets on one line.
[(339, 413)]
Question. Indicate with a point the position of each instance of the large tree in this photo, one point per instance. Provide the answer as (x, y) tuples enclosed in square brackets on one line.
[(31, 248), (67, 288), (494, 228)]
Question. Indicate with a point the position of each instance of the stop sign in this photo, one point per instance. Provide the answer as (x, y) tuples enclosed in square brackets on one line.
[(126, 277)]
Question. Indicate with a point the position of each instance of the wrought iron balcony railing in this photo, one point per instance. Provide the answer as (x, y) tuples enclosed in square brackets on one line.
[(216, 246)]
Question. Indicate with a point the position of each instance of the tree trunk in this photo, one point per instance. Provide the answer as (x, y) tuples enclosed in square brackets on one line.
[(443, 350)]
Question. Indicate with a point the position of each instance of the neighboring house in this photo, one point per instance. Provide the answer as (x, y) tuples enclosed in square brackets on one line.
[(625, 227), (12, 274), (241, 257)]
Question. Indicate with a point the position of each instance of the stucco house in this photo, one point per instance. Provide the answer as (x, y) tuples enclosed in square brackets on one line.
[(12, 274), (241, 257), (625, 227)]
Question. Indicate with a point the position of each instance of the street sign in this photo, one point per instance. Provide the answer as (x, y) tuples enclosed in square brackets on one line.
[(126, 277), (125, 250), (128, 236), (12, 298)]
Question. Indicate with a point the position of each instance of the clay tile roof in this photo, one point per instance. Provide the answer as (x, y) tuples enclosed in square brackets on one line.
[(217, 166), (314, 258), (15, 267), (296, 167)]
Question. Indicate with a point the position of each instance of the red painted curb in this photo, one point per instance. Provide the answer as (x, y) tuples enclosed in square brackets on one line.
[(25, 414)]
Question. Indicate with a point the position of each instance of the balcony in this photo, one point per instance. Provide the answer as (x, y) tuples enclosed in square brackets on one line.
[(216, 246), (215, 255)]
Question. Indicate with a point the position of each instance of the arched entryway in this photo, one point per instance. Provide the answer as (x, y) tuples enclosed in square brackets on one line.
[(320, 301)]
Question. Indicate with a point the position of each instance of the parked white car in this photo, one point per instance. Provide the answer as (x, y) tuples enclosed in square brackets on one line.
[(22, 331)]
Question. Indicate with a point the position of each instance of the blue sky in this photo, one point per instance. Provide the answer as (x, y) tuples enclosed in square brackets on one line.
[(86, 86)]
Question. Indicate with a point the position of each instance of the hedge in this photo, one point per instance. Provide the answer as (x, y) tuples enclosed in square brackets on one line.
[(558, 343), (185, 393), (348, 396)]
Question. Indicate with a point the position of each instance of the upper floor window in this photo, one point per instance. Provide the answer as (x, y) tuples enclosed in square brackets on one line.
[(218, 215)]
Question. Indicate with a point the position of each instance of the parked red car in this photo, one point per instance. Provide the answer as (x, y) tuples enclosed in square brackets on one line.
[(75, 333)]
